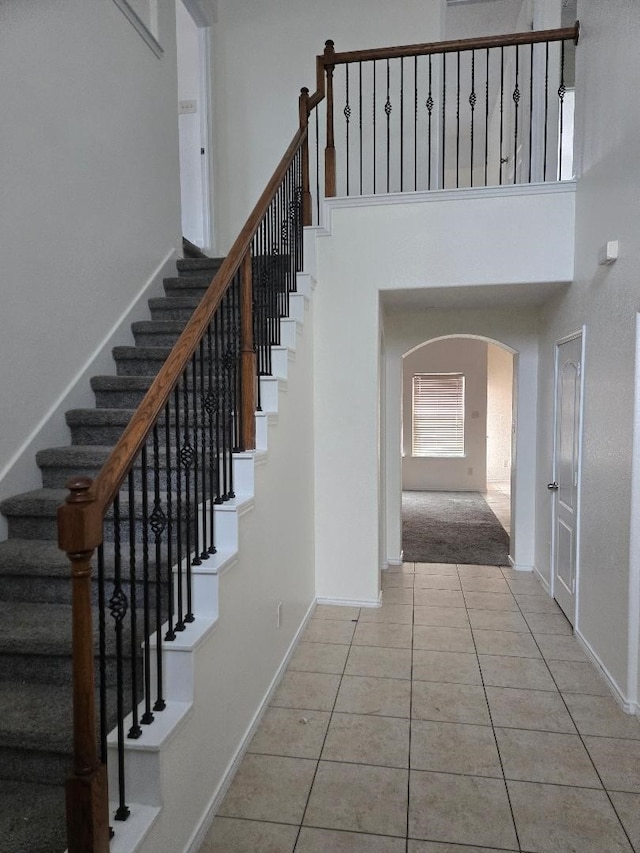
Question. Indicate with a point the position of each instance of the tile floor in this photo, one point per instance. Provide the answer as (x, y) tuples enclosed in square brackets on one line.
[(460, 717)]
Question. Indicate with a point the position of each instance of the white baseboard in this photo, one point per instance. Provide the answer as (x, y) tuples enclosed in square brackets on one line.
[(391, 562), (352, 602), (21, 473), (195, 842), (545, 583), (627, 706)]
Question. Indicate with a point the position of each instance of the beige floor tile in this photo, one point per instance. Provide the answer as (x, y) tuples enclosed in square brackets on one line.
[(436, 847), (558, 819), (440, 598), (405, 568), (617, 761), (537, 604), (383, 634), (367, 739), (559, 647), (453, 703), (544, 623), (379, 662), (481, 584), (601, 716), (396, 580), (269, 787), (498, 620), (388, 697), (399, 614), (397, 595), (550, 757), (460, 809), (426, 582), (233, 835), (444, 617), (628, 808), (529, 709), (334, 841), (458, 667), (469, 571), (287, 731), (440, 639), (490, 601), (436, 569), (454, 748), (328, 631), (358, 797), (313, 691), (509, 671), (526, 586), (578, 677), (336, 612), (508, 643), (319, 657)]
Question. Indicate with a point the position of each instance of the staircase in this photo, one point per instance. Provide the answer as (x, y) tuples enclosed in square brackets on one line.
[(35, 590)]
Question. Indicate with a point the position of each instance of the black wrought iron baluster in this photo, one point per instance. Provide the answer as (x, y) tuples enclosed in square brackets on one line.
[(223, 327), (473, 99), (217, 325), (198, 471), (317, 167), (415, 124), (147, 716), (347, 116), (373, 65), (502, 159), (158, 524), (458, 118), (546, 110), (190, 462), (204, 441), (173, 524), (562, 91), (211, 406), (530, 112), (516, 101), (387, 109), (229, 363), (360, 118), (299, 220), (235, 373), (401, 123), (486, 123), (444, 117), (178, 600), (102, 650), (118, 606), (429, 105), (135, 731)]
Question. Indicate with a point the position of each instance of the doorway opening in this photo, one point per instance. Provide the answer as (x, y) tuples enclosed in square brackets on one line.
[(457, 451), (193, 41)]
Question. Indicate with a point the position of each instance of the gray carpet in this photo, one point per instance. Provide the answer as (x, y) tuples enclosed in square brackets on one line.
[(452, 527)]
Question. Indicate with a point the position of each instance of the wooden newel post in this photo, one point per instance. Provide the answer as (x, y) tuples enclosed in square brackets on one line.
[(79, 534), (248, 365), (330, 150), (303, 109)]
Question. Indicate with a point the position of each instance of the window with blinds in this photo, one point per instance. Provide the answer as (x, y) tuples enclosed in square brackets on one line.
[(438, 414)]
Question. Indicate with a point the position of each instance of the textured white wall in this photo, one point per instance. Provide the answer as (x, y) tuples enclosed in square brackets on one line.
[(90, 195), (605, 301), (264, 52), (499, 413), (508, 238), (468, 473)]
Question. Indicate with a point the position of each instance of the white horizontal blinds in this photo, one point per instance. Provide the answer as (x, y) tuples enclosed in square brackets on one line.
[(438, 414)]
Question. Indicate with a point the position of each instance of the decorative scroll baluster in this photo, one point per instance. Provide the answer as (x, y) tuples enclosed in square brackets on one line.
[(172, 523), (102, 651), (211, 406), (118, 606), (179, 615), (516, 100), (429, 105), (190, 461), (502, 159), (198, 482), (473, 98), (387, 109), (147, 716), (204, 440), (135, 731), (562, 91), (347, 116), (158, 525)]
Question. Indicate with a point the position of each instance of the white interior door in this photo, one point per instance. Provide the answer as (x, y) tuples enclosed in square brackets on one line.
[(565, 485)]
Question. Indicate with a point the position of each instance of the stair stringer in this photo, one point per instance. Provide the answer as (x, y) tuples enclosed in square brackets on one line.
[(221, 671)]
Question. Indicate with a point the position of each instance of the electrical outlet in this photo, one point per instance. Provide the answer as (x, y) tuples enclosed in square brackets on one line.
[(185, 107), (279, 615)]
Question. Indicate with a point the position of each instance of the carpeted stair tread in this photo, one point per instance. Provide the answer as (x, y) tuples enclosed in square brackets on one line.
[(184, 285), (80, 456), (141, 353), (195, 266), (35, 629), (120, 383), (35, 716), (99, 416), (37, 502), (33, 557), (32, 818), (167, 302)]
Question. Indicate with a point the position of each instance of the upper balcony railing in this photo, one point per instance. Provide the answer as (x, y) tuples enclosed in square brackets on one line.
[(468, 113)]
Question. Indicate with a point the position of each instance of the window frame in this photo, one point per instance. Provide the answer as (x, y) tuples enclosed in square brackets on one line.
[(424, 424)]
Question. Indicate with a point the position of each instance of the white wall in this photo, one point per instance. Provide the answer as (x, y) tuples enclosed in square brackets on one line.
[(90, 196), (259, 68), (467, 473), (605, 300), (512, 238), (499, 413)]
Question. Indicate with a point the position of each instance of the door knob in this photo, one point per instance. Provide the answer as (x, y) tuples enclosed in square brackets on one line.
[(553, 487)]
